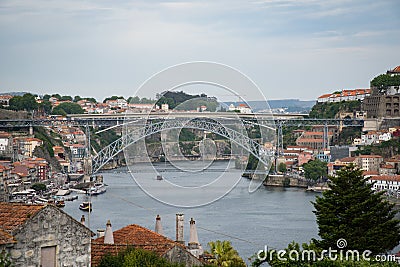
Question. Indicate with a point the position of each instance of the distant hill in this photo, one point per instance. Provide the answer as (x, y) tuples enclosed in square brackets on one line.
[(14, 93), (291, 105)]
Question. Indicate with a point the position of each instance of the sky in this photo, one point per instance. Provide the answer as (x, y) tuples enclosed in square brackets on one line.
[(289, 48)]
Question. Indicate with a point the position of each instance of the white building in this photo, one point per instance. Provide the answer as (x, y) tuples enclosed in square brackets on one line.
[(385, 182)]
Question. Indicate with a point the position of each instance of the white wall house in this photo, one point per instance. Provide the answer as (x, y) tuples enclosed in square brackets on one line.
[(385, 182)]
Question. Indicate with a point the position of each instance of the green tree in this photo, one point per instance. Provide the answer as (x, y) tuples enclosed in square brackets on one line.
[(77, 98), (67, 108), (315, 169), (224, 254), (5, 259), (282, 167), (66, 98), (114, 97), (39, 187), (135, 258), (26, 102), (384, 81), (45, 107), (351, 210)]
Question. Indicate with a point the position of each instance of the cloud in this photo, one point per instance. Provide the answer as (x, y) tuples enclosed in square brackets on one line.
[(290, 48)]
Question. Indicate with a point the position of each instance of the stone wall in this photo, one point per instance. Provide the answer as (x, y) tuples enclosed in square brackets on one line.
[(51, 227), (180, 255)]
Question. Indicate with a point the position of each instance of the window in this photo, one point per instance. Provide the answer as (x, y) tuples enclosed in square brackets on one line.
[(48, 256)]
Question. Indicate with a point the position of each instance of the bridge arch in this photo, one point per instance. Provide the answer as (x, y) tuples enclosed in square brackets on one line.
[(112, 150)]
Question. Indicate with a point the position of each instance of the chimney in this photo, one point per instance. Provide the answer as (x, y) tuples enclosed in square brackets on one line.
[(194, 245), (193, 239), (83, 219), (159, 229), (108, 235), (179, 228), (100, 232)]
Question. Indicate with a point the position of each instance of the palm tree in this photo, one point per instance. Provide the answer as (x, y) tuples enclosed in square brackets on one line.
[(224, 254)]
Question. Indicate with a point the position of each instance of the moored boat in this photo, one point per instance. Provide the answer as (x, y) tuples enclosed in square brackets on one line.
[(86, 206), (60, 203), (97, 189)]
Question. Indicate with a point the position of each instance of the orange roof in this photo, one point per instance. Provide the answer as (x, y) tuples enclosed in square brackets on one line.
[(397, 69), (6, 238), (132, 235), (348, 159), (387, 166), (394, 178), (325, 96), (13, 215), (370, 156)]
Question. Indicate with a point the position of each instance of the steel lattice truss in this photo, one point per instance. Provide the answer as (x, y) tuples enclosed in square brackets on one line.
[(106, 122), (135, 134)]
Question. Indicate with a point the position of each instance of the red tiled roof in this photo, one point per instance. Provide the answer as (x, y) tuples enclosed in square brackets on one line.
[(6, 238), (325, 96), (370, 156), (134, 236), (348, 159), (394, 178), (397, 69), (13, 215)]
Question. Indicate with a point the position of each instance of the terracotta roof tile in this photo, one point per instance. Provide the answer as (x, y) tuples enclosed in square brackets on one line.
[(6, 238), (13, 215), (134, 236), (394, 178)]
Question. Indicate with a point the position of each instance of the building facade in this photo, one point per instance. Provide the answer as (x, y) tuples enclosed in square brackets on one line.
[(43, 236)]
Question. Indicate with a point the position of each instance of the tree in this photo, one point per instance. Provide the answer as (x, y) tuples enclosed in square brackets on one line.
[(66, 98), (224, 254), (67, 108), (26, 102), (351, 210), (282, 167), (39, 187), (384, 81), (135, 258), (315, 169), (5, 259), (114, 97), (45, 106)]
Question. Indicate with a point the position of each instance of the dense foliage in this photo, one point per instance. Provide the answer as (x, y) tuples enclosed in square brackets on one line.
[(351, 210), (26, 102), (67, 108), (135, 258), (385, 149), (329, 110), (39, 187), (183, 101), (383, 81), (315, 169), (224, 254)]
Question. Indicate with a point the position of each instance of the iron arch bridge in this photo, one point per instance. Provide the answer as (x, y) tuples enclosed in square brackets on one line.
[(106, 154)]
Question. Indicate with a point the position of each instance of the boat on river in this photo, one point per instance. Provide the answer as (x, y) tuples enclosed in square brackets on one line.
[(97, 189), (86, 206)]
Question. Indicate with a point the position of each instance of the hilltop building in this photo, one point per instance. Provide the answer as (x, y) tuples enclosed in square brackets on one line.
[(384, 104)]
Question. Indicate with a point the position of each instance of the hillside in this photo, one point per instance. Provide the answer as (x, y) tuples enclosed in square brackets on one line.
[(329, 110)]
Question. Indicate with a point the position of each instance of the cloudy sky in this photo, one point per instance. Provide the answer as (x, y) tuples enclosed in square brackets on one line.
[(290, 48)]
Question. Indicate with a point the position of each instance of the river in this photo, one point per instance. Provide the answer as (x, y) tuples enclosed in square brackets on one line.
[(269, 216)]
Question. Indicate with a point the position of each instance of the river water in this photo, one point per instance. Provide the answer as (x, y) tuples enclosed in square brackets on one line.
[(269, 216)]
